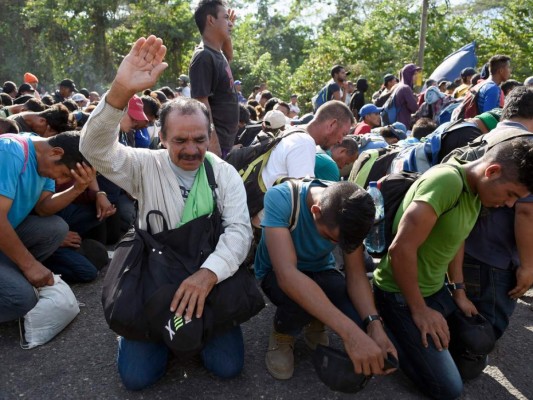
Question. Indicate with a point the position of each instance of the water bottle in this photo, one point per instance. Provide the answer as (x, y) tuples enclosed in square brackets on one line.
[(375, 240)]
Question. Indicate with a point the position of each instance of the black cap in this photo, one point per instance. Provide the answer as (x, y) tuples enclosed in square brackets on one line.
[(474, 333), (68, 83), (468, 72), (388, 77), (180, 336), (336, 370), (26, 87)]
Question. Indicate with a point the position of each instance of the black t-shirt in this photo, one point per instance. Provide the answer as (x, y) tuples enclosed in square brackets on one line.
[(211, 77)]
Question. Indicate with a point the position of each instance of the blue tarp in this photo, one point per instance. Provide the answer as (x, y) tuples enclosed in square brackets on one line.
[(450, 69)]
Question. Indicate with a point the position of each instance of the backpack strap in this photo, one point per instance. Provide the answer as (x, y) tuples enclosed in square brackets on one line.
[(295, 186), (211, 178), (25, 147)]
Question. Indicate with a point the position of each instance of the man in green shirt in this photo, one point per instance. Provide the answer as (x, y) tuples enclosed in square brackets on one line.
[(431, 224)]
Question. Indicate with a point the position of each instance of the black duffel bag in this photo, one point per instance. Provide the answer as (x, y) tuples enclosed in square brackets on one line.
[(143, 262)]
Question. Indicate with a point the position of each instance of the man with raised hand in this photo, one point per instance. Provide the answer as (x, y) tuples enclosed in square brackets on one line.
[(166, 180)]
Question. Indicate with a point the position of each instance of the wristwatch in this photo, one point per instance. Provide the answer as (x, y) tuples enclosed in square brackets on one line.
[(456, 286), (372, 318)]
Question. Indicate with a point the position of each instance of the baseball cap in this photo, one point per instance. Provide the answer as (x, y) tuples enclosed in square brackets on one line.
[(237, 82), (274, 119), (79, 97), (400, 126), (184, 78), (475, 333), (468, 72), (491, 118), (369, 109), (388, 77), (68, 83), (30, 78), (26, 87), (136, 109), (336, 69), (305, 119), (294, 95), (180, 336)]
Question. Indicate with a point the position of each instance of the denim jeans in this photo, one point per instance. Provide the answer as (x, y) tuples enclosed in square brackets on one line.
[(433, 371), (141, 364), (41, 236), (72, 266), (290, 317), (487, 288), (81, 218)]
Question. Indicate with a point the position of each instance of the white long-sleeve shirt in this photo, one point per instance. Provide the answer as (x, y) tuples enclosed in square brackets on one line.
[(147, 175)]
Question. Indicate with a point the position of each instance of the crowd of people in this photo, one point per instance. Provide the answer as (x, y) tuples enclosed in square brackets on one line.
[(80, 168)]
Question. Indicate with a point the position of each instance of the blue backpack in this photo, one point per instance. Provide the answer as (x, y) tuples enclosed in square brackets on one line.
[(389, 114)]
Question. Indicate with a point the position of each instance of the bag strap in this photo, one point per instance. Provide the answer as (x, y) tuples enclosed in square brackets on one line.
[(25, 147)]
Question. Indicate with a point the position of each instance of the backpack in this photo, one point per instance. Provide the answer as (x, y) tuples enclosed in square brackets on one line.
[(371, 165), (468, 107), (250, 162), (321, 97), (422, 156), (389, 114), (393, 188), (475, 149)]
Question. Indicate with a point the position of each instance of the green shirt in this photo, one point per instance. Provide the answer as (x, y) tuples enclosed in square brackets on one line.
[(457, 208), (326, 168)]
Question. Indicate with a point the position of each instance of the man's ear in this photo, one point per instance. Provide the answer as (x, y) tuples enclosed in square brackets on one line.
[(316, 211), (493, 171), (56, 153)]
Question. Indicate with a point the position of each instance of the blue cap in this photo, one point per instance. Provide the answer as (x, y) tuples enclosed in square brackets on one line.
[(369, 109), (238, 82)]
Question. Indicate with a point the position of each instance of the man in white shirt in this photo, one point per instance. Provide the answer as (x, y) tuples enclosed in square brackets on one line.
[(163, 180)]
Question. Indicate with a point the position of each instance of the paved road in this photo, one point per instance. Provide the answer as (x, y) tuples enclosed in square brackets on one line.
[(80, 364)]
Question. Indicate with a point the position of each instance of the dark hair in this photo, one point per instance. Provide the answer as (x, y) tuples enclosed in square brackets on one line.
[(70, 104), (6, 99), (58, 117), (205, 8), (9, 87), (349, 143), (335, 70), (518, 103), (81, 118), (253, 103), (70, 143), (147, 92), (272, 101), (423, 127), (22, 99), (266, 94), (34, 105), (388, 132), (349, 207), (251, 110), (183, 106), (244, 114), (475, 79), (8, 126), (84, 91), (334, 109), (160, 96), (497, 62), (284, 104), (151, 106), (48, 100), (509, 85), (516, 159), (430, 82), (168, 92)]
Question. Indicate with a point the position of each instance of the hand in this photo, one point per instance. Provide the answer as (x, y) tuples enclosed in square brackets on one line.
[(524, 280), (38, 275), (431, 322), (143, 65), (378, 334), (192, 293), (71, 240), (365, 354), (465, 305), (83, 176), (232, 15), (104, 208)]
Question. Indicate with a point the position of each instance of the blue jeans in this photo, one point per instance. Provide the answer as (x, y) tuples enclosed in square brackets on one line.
[(72, 266), (290, 317), (141, 364), (41, 236), (433, 371), (487, 288), (81, 218)]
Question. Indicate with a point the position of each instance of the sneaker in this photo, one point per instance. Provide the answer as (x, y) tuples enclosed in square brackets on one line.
[(280, 356), (315, 333)]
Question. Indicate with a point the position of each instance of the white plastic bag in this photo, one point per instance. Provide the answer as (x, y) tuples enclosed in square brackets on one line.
[(56, 308)]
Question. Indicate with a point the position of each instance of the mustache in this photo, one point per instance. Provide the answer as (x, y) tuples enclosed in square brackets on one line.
[(189, 157)]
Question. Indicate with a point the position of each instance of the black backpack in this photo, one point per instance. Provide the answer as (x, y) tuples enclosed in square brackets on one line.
[(393, 188), (250, 161), (372, 165)]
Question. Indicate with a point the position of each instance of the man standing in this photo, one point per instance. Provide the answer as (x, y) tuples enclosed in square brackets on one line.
[(210, 72), (405, 99), (490, 94), (380, 97), (174, 182), (66, 88), (183, 82), (240, 98), (333, 89)]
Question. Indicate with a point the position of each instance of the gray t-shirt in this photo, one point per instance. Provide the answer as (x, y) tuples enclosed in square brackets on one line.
[(185, 178)]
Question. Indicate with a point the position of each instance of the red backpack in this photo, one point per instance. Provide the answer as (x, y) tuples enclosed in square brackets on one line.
[(468, 108)]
